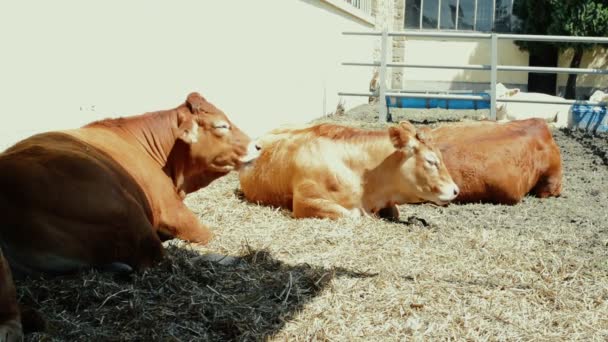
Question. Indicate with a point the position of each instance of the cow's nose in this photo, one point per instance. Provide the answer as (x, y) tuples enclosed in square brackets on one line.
[(258, 147), (456, 191)]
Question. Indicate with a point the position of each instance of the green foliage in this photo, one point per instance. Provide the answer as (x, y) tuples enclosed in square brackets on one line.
[(579, 18), (535, 16), (561, 17)]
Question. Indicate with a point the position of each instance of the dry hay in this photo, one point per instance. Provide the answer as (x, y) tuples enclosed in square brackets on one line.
[(534, 271)]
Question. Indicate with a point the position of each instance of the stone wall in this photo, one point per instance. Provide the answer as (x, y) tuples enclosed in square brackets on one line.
[(390, 14)]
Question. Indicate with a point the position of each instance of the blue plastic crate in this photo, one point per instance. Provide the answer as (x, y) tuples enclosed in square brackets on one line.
[(590, 118)]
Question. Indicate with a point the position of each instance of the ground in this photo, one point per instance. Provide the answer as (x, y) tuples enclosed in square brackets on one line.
[(534, 271)]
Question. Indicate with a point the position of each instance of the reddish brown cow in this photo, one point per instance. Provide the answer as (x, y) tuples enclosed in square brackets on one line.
[(501, 162), (101, 195), (331, 171)]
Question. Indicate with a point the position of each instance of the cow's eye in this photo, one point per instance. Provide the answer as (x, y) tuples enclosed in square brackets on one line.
[(431, 162), (221, 125)]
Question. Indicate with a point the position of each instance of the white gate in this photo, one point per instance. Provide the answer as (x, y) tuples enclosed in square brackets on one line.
[(493, 67)]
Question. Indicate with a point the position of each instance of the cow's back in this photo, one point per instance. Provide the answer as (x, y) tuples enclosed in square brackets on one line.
[(32, 168), (269, 179), (77, 202), (501, 162)]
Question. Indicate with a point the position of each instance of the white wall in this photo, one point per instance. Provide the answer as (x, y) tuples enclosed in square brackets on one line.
[(64, 63), (435, 51)]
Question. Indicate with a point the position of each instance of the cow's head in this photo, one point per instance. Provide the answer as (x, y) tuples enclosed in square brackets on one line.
[(503, 92), (422, 174), (215, 145)]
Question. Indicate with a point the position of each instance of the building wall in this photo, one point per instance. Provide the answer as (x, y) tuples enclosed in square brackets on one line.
[(418, 50), (586, 84), (459, 52), (67, 62), (390, 13)]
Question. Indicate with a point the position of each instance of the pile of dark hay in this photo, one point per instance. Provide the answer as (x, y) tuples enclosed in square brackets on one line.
[(186, 297)]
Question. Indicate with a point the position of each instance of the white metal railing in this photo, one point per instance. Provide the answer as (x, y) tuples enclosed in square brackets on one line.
[(363, 5), (493, 67), (361, 9)]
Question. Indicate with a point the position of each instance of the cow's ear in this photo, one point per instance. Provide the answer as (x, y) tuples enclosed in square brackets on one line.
[(424, 135), (403, 136), (188, 131), (512, 92), (195, 102)]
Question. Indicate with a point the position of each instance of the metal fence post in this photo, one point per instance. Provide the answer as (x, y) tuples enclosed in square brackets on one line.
[(493, 75), (382, 110)]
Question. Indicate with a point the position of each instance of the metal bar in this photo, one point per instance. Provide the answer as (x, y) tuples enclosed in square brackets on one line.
[(439, 96), (493, 75), (439, 34), (421, 66), (475, 17), (527, 37), (564, 101), (548, 70), (439, 15), (457, 13), (551, 70), (371, 33), (346, 93), (440, 66), (421, 14), (473, 97), (382, 109), (493, 14), (375, 64), (541, 38)]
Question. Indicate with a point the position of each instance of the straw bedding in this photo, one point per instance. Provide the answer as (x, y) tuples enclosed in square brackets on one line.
[(534, 271)]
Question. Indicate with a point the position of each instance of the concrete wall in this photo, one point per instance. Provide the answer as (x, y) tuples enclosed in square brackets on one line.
[(67, 62)]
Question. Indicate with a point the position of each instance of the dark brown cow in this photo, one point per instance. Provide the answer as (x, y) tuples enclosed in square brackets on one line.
[(101, 195), (10, 320), (501, 162)]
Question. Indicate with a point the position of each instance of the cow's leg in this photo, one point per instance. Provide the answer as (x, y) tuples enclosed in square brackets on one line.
[(390, 213), (548, 185), (180, 222), (10, 319), (309, 201)]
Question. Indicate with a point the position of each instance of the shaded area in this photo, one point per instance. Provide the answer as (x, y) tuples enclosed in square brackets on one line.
[(596, 143), (185, 298)]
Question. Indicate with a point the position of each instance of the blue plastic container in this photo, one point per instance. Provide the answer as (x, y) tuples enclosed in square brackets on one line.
[(590, 118), (414, 102), (438, 103)]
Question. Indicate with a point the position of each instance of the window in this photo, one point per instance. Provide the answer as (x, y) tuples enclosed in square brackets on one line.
[(461, 15)]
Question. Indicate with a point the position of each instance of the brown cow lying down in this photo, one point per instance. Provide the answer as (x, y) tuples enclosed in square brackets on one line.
[(10, 320), (101, 195), (331, 171), (501, 162)]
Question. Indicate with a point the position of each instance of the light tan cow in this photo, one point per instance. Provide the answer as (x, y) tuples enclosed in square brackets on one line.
[(332, 171)]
